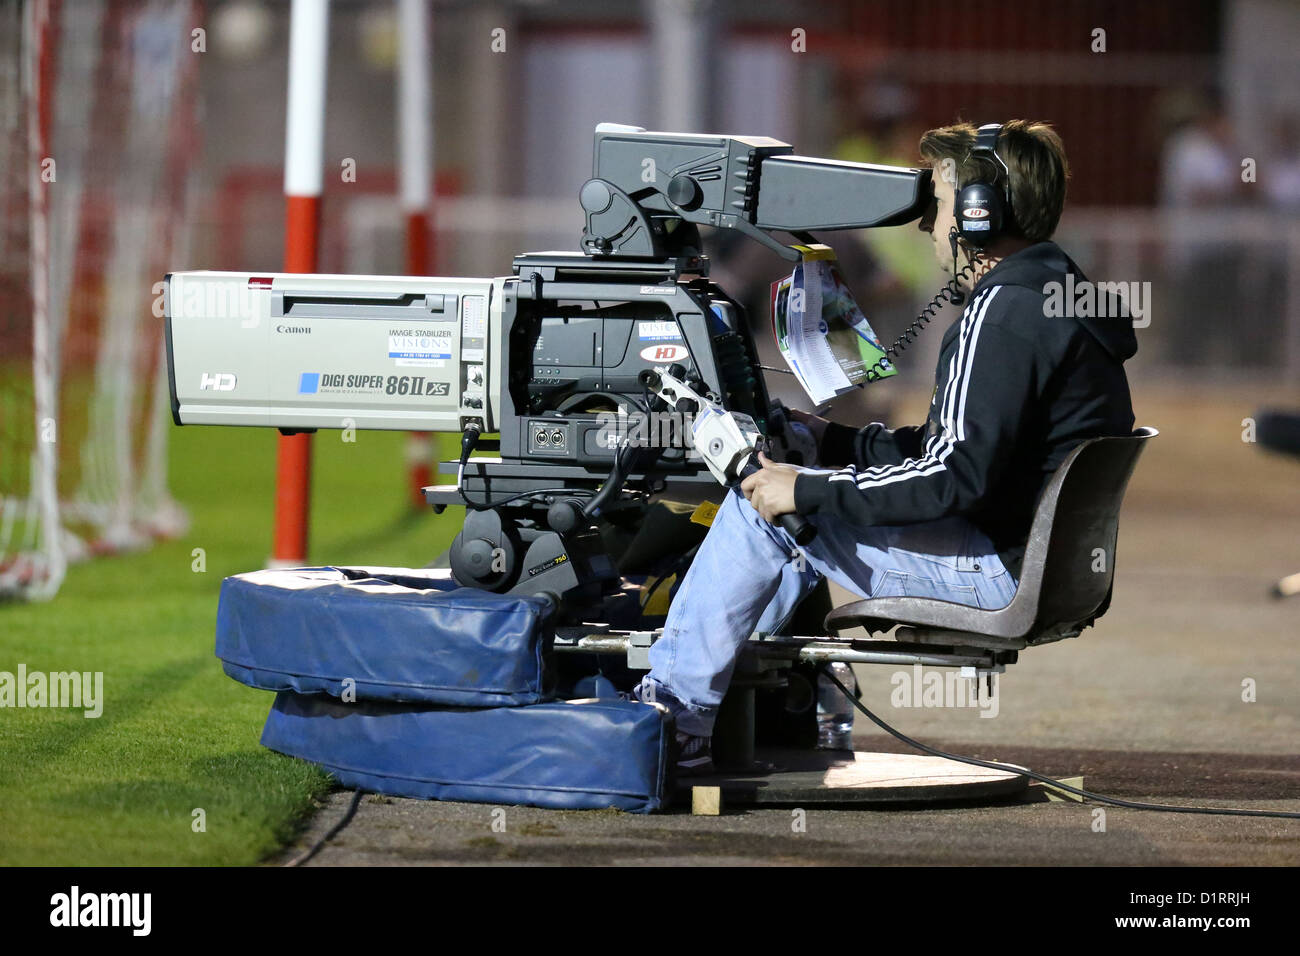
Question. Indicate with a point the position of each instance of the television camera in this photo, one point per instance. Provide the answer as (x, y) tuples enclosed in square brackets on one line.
[(558, 358)]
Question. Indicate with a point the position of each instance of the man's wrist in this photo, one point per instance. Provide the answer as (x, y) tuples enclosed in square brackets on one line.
[(810, 492)]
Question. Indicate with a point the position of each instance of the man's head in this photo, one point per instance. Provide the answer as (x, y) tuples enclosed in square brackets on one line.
[(1035, 157)]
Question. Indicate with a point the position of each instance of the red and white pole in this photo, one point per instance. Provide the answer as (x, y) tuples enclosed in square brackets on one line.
[(304, 164), (414, 170)]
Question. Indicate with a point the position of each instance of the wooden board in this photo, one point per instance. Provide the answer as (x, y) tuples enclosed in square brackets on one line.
[(828, 777)]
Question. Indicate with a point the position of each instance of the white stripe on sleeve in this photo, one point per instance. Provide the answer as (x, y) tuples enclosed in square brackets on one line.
[(952, 414)]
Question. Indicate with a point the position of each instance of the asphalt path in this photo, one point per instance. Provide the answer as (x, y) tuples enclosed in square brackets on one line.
[(1186, 692)]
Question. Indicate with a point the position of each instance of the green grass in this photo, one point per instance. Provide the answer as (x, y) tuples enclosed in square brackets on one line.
[(176, 734)]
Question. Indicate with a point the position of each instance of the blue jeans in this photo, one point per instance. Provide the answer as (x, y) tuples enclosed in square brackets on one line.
[(747, 577)]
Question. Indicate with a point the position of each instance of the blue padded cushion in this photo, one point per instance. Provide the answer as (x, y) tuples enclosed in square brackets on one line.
[(398, 634), (574, 756)]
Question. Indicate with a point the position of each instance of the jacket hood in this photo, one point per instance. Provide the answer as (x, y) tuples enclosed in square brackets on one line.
[(1043, 263)]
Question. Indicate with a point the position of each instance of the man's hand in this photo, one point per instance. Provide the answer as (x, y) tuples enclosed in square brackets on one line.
[(771, 491)]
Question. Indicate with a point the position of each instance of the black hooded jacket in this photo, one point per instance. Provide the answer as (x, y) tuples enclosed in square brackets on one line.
[(1018, 385)]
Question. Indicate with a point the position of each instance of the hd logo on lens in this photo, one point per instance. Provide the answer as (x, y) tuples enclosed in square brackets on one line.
[(218, 382)]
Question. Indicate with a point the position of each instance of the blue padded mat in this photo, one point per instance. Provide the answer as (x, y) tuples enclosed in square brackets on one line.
[(396, 634), (588, 755)]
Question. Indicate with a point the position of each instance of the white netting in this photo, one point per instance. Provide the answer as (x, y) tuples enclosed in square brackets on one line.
[(98, 112)]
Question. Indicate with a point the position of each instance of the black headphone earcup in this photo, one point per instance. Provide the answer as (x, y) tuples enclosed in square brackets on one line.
[(979, 213)]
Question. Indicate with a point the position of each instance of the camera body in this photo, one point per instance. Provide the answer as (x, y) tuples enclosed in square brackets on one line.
[(301, 352), (550, 357)]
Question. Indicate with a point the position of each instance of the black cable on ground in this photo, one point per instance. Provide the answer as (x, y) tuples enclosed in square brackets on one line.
[(333, 831), (994, 765)]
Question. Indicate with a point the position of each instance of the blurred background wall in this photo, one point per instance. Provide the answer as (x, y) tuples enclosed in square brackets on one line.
[(1171, 92), (166, 120)]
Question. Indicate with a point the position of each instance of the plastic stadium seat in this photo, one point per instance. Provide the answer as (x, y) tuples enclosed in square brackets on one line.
[(1065, 582)]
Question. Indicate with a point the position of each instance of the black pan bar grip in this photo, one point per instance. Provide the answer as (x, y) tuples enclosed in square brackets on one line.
[(799, 527)]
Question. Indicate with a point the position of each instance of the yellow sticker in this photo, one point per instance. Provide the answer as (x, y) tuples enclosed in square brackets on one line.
[(704, 513), (815, 251), (660, 599)]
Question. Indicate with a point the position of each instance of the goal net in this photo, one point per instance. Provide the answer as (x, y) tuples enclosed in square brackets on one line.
[(97, 141)]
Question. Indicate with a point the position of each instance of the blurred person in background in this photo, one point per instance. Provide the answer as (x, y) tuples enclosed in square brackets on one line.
[(1265, 269), (887, 270), (1280, 175), (879, 125), (1200, 173), (882, 128)]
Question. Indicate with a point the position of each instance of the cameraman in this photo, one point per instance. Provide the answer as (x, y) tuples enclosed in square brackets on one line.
[(938, 510)]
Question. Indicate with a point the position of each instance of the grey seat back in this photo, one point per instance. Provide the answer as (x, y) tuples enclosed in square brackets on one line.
[(1069, 563)]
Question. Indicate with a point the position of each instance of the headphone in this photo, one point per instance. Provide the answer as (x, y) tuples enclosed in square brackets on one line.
[(982, 211)]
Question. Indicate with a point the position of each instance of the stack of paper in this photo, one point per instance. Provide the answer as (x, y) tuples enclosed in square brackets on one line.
[(821, 333)]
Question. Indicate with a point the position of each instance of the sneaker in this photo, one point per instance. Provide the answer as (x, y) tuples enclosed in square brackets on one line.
[(694, 756)]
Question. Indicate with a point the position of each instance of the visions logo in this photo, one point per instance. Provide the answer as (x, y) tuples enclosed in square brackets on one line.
[(73, 909)]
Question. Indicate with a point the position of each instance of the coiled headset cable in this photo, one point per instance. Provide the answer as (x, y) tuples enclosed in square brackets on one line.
[(951, 292)]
